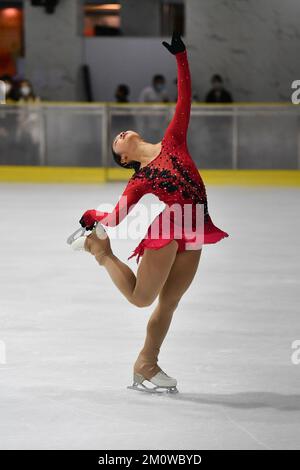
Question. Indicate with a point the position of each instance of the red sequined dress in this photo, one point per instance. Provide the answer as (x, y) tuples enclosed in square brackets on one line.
[(172, 176)]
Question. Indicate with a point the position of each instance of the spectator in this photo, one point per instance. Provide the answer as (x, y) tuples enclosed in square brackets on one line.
[(25, 92), (155, 92), (28, 133), (10, 88), (122, 93), (218, 94), (121, 122)]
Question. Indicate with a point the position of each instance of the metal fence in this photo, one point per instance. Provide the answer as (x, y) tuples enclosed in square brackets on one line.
[(221, 137)]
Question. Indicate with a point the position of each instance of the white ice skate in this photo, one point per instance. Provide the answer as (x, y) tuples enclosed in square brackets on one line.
[(161, 381), (77, 239)]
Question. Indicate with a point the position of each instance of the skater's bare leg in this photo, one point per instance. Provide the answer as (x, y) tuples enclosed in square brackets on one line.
[(142, 289), (177, 283)]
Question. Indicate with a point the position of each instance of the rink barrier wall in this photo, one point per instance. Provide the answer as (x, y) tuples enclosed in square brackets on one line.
[(256, 136), (81, 175), (137, 103)]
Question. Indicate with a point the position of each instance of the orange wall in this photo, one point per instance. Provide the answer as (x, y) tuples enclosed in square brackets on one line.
[(11, 25)]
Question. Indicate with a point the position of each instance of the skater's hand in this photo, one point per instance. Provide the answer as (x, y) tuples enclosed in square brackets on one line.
[(176, 45), (88, 219)]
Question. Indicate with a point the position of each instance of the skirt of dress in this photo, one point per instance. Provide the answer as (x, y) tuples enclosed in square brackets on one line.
[(156, 239)]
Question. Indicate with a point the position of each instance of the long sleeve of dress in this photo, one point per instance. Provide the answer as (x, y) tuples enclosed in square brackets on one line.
[(130, 196), (177, 129), (151, 178)]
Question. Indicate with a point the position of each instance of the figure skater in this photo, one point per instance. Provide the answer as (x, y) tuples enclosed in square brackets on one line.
[(167, 265)]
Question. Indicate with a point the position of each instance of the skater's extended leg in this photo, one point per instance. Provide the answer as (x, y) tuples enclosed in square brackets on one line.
[(177, 283), (154, 268)]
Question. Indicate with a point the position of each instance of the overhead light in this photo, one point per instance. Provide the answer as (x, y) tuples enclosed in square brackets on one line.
[(10, 12), (106, 6)]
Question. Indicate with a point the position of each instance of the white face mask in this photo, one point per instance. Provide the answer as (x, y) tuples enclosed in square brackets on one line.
[(25, 90)]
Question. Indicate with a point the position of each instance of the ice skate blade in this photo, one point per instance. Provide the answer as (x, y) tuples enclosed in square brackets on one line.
[(154, 390), (80, 232), (75, 235), (159, 380)]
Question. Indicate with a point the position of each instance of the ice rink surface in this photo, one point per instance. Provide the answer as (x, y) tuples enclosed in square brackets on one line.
[(71, 339)]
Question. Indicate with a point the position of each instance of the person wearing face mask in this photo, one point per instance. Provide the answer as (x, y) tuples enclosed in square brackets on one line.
[(218, 94), (28, 129), (155, 93), (25, 92), (7, 120), (9, 88)]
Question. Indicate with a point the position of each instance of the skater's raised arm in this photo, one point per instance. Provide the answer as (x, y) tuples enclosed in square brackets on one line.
[(130, 196), (177, 129)]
